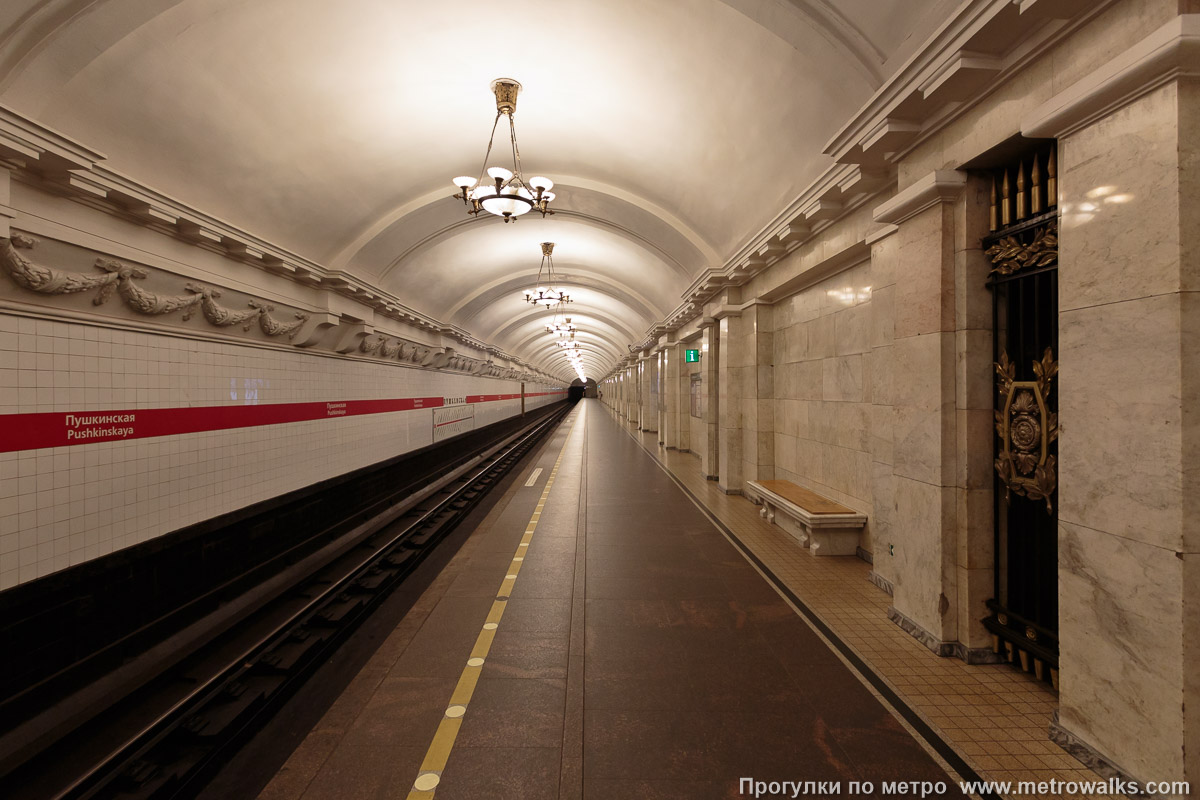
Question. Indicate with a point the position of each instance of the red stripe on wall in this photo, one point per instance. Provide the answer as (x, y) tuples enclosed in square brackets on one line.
[(64, 429)]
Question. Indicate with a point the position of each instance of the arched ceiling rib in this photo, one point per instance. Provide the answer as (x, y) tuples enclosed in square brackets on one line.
[(674, 131)]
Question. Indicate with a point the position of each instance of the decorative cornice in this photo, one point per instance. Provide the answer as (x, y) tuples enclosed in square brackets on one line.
[(41, 156), (23, 141), (1170, 52), (957, 65), (940, 186), (123, 281), (879, 234), (977, 48)]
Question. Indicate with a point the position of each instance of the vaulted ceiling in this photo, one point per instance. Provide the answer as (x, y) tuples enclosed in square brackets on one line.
[(674, 130)]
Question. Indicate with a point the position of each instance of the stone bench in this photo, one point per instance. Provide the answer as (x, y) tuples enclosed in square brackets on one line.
[(826, 528)]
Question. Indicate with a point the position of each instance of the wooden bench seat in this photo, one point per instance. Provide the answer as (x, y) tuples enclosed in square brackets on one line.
[(826, 528)]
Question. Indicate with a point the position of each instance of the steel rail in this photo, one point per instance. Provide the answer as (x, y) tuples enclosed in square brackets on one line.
[(143, 778)]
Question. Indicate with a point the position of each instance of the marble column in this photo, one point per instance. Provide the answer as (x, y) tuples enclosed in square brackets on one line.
[(648, 396), (730, 380), (1129, 457), (757, 354), (923, 542), (884, 249), (631, 394), (686, 371), (974, 516), (710, 405), (671, 359)]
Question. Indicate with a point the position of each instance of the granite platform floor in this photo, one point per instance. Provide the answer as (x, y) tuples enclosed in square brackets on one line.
[(994, 716), (599, 637)]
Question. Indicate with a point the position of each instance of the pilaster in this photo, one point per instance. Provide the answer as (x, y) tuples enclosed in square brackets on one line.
[(730, 381), (672, 423), (711, 399), (922, 548), (1129, 321), (757, 350)]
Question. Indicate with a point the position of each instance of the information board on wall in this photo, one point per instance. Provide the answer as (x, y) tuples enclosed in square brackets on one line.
[(697, 397), (450, 421)]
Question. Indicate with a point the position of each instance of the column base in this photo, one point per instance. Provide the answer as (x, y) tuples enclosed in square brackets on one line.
[(939, 647), (1085, 753)]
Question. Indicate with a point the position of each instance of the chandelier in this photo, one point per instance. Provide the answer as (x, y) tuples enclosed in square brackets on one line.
[(506, 194), (564, 329), (545, 293)]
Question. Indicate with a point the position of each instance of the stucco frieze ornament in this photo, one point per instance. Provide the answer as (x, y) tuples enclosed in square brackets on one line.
[(371, 344), (121, 277)]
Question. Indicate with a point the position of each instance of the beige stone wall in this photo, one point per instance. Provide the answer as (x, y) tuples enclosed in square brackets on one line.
[(823, 386), (1128, 322)]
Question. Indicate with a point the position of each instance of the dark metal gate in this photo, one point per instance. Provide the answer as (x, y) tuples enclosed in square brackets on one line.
[(1023, 249)]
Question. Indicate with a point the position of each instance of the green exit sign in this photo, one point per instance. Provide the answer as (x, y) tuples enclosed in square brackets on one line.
[(691, 356)]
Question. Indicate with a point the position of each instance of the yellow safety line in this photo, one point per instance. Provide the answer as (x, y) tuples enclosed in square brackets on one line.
[(430, 774)]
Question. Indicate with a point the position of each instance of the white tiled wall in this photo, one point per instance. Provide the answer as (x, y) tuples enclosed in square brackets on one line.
[(65, 505)]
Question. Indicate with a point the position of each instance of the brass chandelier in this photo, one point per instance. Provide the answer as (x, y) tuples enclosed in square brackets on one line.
[(545, 293), (563, 328), (506, 193)]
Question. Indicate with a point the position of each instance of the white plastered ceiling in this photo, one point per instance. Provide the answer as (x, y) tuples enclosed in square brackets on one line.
[(674, 129)]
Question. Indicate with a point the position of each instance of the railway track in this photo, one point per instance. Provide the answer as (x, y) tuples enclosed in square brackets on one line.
[(176, 753)]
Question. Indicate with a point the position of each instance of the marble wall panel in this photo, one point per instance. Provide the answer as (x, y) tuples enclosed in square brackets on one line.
[(883, 262), (791, 344), (822, 421), (880, 521), (1188, 145), (883, 315), (972, 300), (925, 295), (822, 378), (973, 587), (1191, 656), (975, 384), (809, 380), (976, 535), (975, 430), (822, 341), (1119, 176), (861, 471), (1120, 629), (923, 530), (852, 330), (868, 362), (786, 416), (764, 346), (881, 421), (764, 380), (850, 427), (882, 376), (924, 426), (842, 378), (1190, 416), (1120, 450)]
